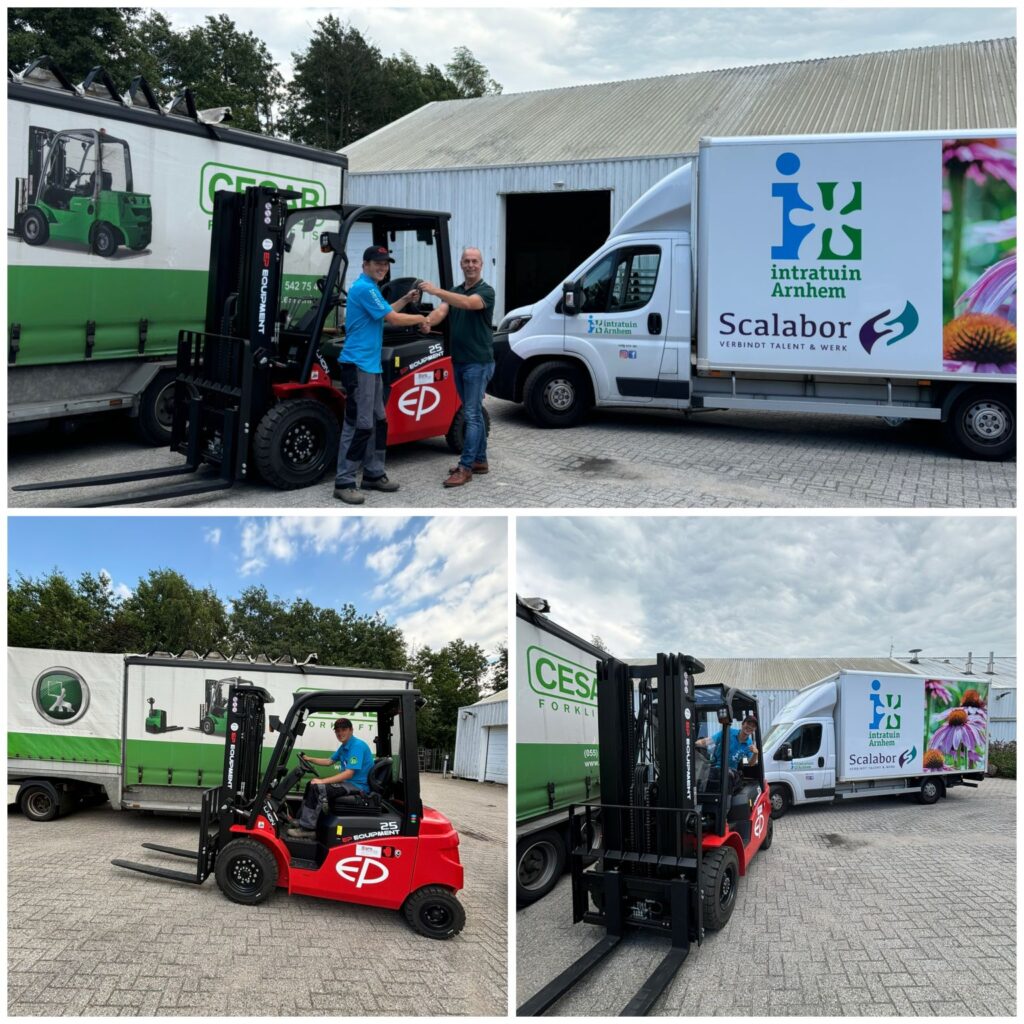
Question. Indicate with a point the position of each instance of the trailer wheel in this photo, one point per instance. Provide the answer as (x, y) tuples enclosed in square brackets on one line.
[(540, 861), (105, 240), (556, 395), (156, 409), (208, 726), (931, 790), (296, 442), (246, 871), (982, 424), (435, 912), (719, 878), (456, 436), (40, 802), (781, 800), (35, 229)]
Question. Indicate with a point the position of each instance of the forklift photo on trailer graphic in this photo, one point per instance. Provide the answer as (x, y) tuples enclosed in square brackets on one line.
[(79, 192)]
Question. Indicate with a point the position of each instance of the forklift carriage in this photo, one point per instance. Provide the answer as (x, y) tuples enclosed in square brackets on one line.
[(255, 395), (381, 849), (676, 828)]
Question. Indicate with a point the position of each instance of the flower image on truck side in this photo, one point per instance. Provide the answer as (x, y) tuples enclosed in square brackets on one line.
[(956, 724)]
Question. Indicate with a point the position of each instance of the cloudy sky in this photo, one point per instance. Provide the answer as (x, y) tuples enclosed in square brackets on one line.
[(528, 47), (776, 586), (437, 579)]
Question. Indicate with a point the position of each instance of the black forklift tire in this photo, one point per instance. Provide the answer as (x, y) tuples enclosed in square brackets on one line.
[(246, 871), (105, 239), (982, 424), (208, 726), (540, 861), (35, 228), (40, 802), (719, 880), (766, 843), (931, 790), (296, 443), (456, 436), (556, 394), (435, 912), (781, 800), (156, 409)]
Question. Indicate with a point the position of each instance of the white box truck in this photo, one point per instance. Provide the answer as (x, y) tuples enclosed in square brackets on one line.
[(555, 675), (864, 275), (146, 732), (108, 238), (857, 734)]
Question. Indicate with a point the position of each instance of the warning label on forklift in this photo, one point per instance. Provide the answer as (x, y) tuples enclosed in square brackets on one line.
[(369, 851)]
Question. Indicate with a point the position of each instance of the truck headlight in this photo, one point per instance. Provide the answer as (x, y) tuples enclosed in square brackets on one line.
[(511, 324)]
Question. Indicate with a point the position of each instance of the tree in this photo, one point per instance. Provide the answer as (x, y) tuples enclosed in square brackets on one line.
[(450, 679), (598, 642), (471, 78), (499, 670), (167, 613), (53, 612)]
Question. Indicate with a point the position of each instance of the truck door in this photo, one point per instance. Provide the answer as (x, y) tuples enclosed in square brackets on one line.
[(622, 323), (813, 765)]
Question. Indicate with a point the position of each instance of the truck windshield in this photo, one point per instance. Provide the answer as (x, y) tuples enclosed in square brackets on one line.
[(778, 733)]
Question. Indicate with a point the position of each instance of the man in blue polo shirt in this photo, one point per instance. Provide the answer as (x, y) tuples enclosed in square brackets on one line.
[(353, 761), (741, 743), (364, 434)]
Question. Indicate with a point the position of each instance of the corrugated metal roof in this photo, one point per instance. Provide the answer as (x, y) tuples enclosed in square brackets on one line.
[(1004, 670), (491, 698), (961, 85), (785, 673)]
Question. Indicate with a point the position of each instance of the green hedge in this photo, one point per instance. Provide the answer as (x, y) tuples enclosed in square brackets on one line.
[(1003, 756)]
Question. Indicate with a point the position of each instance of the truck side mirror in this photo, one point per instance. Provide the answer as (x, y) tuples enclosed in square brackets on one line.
[(784, 753), (572, 298)]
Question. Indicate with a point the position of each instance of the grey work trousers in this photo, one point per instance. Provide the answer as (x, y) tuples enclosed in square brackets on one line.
[(364, 434)]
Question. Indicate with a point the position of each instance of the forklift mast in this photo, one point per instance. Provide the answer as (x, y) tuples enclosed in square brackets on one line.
[(243, 746)]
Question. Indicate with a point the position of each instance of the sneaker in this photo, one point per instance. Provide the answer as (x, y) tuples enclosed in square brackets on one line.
[(349, 495), (477, 467), (460, 475), (381, 483), (301, 833)]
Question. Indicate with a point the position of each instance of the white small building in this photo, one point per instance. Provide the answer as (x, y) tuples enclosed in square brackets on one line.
[(481, 740)]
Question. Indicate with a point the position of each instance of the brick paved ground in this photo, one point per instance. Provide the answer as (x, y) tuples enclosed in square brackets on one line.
[(879, 907), (88, 939), (617, 460)]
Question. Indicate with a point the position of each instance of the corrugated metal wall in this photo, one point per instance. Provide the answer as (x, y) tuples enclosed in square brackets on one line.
[(475, 199), (469, 735)]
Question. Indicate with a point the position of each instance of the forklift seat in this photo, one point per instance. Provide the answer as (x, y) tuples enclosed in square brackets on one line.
[(379, 781)]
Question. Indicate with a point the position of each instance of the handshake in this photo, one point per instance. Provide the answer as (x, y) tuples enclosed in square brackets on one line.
[(420, 288)]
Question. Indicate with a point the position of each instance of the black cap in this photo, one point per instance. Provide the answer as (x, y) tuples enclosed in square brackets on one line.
[(377, 254)]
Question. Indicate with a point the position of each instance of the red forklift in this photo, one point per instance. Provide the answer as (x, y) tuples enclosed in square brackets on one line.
[(256, 394), (381, 849), (676, 827)]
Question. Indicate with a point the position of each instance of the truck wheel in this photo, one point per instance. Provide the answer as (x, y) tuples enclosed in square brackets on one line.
[(540, 860), (156, 409), (456, 436), (766, 843), (931, 790), (35, 228), (40, 802), (105, 240), (246, 871), (208, 726), (296, 442), (719, 877), (556, 395), (435, 912), (982, 424), (781, 800)]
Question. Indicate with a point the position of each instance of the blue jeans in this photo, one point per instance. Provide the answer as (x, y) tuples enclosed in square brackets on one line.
[(470, 382)]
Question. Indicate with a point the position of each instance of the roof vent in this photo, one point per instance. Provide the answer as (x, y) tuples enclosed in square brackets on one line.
[(970, 664), (914, 652), (990, 669)]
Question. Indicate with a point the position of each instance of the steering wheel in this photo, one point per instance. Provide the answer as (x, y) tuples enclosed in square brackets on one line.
[(703, 752), (305, 764), (321, 283)]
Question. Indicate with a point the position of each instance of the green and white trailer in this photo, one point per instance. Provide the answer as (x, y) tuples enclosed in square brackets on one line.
[(556, 747), (108, 238), (142, 731)]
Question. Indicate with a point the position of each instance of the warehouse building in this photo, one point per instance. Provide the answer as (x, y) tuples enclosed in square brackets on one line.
[(538, 179), (481, 740)]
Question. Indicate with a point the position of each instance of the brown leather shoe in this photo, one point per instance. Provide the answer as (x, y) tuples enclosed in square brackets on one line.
[(479, 468), (460, 475)]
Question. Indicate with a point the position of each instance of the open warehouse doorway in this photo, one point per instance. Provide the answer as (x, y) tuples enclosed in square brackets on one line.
[(547, 234)]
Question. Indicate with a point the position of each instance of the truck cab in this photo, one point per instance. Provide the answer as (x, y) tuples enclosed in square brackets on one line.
[(617, 333)]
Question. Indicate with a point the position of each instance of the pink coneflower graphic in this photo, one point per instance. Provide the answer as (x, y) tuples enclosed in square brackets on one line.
[(972, 699), (979, 343), (979, 159), (958, 733), (995, 292), (934, 761), (936, 689)]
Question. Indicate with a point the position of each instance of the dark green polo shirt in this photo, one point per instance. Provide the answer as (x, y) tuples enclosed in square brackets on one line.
[(471, 334)]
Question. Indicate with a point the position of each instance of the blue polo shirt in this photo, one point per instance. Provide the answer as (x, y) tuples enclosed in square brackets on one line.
[(354, 755), (739, 747), (364, 325)]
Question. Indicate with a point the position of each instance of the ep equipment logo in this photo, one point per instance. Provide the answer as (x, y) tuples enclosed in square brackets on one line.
[(60, 695), (367, 866), (419, 401)]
